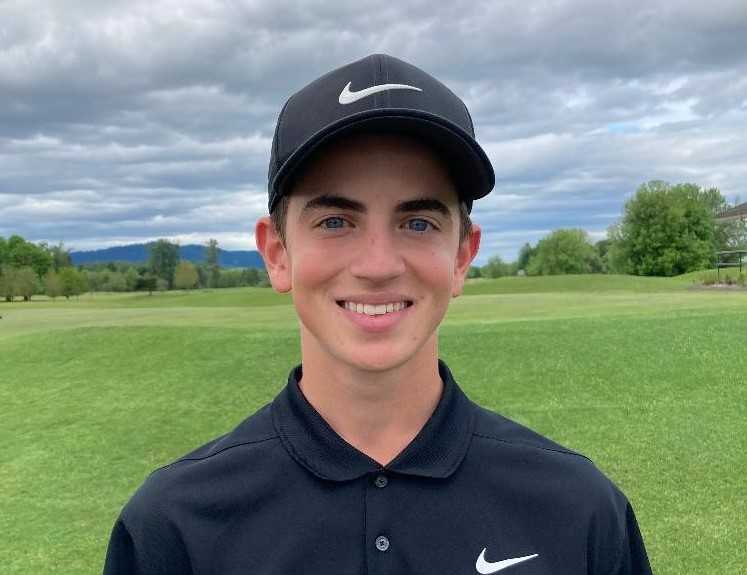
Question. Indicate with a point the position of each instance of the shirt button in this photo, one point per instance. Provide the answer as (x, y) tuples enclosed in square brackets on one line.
[(381, 481), (382, 543)]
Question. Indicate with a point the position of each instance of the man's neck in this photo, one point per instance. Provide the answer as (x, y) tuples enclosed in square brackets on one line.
[(377, 412)]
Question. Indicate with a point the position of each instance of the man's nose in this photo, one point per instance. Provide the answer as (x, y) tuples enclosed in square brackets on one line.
[(377, 257)]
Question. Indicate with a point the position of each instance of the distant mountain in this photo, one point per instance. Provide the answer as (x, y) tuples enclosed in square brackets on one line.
[(138, 254)]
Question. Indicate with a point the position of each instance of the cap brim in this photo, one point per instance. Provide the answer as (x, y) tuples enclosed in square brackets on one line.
[(465, 159)]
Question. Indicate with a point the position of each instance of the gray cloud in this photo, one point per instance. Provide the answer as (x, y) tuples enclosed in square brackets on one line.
[(127, 121)]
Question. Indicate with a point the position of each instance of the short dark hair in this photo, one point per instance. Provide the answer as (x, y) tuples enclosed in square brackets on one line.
[(279, 216)]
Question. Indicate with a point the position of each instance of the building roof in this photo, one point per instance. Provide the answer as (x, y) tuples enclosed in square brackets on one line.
[(735, 213)]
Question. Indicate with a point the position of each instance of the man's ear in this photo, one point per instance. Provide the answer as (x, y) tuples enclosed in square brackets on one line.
[(274, 254), (468, 248)]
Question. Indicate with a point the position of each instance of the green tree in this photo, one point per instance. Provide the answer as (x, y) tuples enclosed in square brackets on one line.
[(495, 268), (667, 230), (564, 251), (185, 276), (115, 282), (711, 197), (231, 278), (131, 277), (602, 248), (250, 277), (25, 283), (52, 284), (60, 257), (264, 279), (212, 262), (14, 242), (3, 251), (474, 272), (203, 277), (25, 254), (73, 282), (7, 282), (147, 283), (95, 279), (164, 257), (616, 260), (82, 282), (525, 254)]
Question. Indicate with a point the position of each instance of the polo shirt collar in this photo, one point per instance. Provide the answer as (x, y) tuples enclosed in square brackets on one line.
[(436, 451)]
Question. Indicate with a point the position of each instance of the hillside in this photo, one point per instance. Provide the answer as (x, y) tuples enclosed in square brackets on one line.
[(138, 253)]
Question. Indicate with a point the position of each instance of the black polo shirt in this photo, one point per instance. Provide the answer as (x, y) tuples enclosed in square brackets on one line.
[(283, 494)]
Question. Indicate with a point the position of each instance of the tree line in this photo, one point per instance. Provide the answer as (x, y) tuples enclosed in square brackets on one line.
[(27, 269), (665, 230), (166, 270)]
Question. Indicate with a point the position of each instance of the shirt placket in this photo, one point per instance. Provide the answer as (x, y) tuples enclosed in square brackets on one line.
[(380, 547)]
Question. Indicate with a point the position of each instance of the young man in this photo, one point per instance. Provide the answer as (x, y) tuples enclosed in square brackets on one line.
[(372, 460)]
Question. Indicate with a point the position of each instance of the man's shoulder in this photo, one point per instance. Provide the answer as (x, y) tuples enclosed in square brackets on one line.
[(244, 454), (561, 485), (502, 430), (250, 433), (505, 446)]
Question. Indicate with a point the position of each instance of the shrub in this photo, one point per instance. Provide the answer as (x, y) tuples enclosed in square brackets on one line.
[(564, 251)]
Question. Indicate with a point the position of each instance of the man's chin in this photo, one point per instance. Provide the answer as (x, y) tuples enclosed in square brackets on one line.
[(379, 362)]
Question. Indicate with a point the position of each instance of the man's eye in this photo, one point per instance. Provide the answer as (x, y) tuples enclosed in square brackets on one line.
[(332, 223), (419, 225)]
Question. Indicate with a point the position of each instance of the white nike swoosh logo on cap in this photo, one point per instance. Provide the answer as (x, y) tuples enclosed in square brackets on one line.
[(348, 97), (485, 568)]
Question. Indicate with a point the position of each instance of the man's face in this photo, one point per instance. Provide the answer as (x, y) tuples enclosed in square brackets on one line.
[(372, 253)]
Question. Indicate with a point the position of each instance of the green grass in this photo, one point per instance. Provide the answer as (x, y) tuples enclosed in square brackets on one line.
[(648, 381), (576, 283), (594, 283), (254, 297)]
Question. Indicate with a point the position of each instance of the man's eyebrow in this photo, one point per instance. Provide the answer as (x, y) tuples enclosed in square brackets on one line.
[(331, 201), (424, 205), (343, 203)]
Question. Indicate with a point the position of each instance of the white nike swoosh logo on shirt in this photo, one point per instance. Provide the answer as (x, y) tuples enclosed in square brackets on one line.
[(348, 97), (485, 568)]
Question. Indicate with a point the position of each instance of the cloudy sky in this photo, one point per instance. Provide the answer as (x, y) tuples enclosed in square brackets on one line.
[(129, 121)]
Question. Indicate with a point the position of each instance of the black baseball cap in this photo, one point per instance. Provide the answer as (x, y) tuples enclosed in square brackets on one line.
[(379, 93)]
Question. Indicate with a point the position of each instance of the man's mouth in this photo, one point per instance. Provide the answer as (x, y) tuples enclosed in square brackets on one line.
[(374, 309)]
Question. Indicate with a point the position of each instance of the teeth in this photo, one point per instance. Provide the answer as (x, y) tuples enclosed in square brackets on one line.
[(378, 309)]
